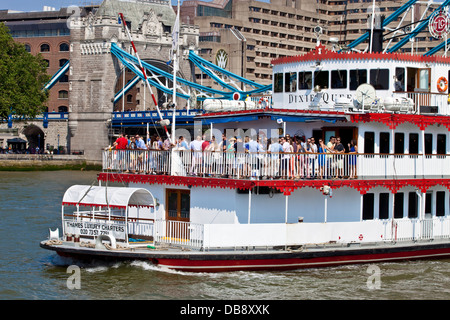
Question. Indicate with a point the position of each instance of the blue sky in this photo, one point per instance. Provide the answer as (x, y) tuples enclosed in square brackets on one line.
[(37, 5)]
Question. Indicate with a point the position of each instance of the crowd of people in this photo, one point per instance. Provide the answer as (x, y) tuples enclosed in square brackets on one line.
[(285, 157)]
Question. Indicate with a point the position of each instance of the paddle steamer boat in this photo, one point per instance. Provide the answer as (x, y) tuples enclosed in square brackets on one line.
[(384, 198)]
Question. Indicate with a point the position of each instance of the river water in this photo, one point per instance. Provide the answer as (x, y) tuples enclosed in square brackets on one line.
[(30, 205)]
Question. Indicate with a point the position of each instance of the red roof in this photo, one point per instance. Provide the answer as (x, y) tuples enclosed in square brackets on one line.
[(320, 53)]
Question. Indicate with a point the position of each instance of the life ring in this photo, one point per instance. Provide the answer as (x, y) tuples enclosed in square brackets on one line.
[(442, 84), (263, 102)]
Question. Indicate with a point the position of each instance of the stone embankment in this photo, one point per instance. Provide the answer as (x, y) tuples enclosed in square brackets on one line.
[(30, 162)]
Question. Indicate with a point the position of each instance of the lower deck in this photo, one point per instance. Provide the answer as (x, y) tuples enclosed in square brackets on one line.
[(191, 213), (288, 258)]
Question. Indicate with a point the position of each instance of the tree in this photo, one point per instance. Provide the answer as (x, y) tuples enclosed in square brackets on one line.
[(22, 78)]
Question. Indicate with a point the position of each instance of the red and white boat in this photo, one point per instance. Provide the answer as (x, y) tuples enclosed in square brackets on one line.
[(384, 198)]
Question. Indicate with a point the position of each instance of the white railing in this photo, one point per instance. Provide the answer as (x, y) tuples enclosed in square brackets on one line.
[(179, 233), (268, 235), (428, 99), (221, 236), (276, 165), (213, 236), (137, 161), (415, 229)]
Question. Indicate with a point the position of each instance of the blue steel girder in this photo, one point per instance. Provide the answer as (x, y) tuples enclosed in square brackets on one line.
[(131, 62), (127, 88), (57, 76), (386, 22), (208, 68)]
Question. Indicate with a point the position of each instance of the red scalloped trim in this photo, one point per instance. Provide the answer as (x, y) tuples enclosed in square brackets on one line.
[(394, 119), (102, 205), (321, 53), (285, 186)]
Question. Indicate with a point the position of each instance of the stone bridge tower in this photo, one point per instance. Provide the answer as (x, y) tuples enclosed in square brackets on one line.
[(94, 70)]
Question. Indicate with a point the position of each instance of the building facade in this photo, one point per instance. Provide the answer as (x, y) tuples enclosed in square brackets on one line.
[(46, 33), (279, 28)]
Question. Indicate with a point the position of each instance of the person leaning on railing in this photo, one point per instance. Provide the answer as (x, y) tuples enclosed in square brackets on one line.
[(353, 149), (120, 144)]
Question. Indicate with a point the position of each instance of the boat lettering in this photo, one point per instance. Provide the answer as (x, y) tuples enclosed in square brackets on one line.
[(326, 97), (113, 228), (74, 224), (94, 229)]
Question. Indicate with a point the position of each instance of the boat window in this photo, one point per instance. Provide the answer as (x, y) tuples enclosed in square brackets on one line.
[(399, 82), (385, 142), (440, 203), (379, 79), (321, 79), (368, 201), (357, 77), (428, 143), (383, 206), (172, 203), (338, 79), (413, 143), (290, 81), (369, 142), (412, 204), (178, 205), (278, 82), (424, 79), (441, 144), (398, 205), (428, 199), (304, 80), (399, 145), (185, 205)]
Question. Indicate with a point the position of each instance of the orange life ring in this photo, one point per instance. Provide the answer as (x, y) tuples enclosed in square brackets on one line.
[(442, 84)]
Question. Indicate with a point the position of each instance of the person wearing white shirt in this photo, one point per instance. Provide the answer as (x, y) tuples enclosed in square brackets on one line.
[(196, 147)]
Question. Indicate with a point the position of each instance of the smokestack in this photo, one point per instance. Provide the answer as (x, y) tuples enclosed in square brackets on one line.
[(376, 32)]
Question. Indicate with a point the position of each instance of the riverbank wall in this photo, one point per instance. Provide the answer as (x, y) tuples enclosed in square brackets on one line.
[(42, 162)]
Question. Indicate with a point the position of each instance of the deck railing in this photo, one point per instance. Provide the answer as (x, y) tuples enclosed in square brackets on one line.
[(217, 236), (276, 165), (428, 99), (198, 236), (179, 233)]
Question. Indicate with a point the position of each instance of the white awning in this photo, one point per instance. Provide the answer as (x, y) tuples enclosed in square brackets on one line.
[(113, 197)]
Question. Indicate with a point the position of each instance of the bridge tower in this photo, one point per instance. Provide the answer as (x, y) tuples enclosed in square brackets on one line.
[(94, 70)]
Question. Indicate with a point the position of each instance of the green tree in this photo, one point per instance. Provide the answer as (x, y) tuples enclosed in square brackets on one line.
[(22, 78)]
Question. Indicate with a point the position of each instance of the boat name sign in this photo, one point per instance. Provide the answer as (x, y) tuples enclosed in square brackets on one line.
[(326, 97), (85, 228)]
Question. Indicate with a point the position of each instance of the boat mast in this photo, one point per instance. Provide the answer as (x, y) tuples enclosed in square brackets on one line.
[(175, 37), (144, 73), (371, 26)]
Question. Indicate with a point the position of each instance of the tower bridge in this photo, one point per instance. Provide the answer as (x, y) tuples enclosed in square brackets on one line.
[(94, 71), (100, 49)]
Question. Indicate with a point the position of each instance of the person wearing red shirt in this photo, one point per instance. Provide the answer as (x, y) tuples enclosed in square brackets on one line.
[(121, 143)]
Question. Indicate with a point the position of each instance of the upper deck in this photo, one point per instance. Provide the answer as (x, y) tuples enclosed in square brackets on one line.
[(280, 171), (364, 82)]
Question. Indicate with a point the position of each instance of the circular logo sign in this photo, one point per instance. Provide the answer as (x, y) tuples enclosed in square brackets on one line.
[(439, 25)]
